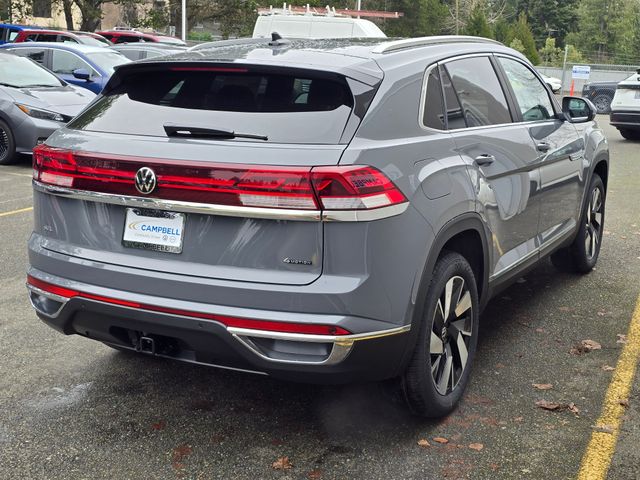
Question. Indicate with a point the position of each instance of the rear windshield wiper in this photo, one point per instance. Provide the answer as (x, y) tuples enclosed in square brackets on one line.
[(201, 132)]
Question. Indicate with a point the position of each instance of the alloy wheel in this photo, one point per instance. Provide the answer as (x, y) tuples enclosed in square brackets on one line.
[(4, 143), (451, 332), (593, 223)]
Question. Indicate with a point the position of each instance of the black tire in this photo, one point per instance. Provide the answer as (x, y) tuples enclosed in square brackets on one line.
[(582, 255), (630, 134), (602, 103), (8, 153), (428, 390)]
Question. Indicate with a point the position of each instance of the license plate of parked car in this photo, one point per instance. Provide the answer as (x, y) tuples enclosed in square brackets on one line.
[(153, 230)]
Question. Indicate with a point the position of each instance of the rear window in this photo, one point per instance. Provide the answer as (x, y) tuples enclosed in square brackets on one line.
[(286, 108)]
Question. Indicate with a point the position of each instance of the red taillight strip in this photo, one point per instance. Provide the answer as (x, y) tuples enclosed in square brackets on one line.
[(334, 188), (237, 322)]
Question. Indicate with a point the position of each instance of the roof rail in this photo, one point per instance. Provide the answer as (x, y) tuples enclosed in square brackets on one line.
[(433, 40)]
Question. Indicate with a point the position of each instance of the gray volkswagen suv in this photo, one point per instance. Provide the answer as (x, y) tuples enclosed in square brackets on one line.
[(320, 211)]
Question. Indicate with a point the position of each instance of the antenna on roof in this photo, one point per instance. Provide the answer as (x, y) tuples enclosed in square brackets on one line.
[(277, 40)]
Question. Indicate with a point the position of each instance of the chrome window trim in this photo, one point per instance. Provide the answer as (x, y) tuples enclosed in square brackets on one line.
[(481, 127), (225, 210)]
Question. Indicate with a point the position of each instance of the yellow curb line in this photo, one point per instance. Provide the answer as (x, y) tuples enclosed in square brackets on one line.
[(597, 458), (13, 212)]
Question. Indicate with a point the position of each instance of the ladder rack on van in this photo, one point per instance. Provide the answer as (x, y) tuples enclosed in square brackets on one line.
[(327, 11)]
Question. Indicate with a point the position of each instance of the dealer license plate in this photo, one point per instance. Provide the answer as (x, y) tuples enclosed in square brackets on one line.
[(153, 230)]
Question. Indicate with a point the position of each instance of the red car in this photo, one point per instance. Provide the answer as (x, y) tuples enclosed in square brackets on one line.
[(132, 36), (40, 35)]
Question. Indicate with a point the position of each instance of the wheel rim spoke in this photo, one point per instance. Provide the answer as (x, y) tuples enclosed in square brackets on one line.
[(464, 304), (436, 344), (463, 353), (461, 327), (445, 375), (448, 293)]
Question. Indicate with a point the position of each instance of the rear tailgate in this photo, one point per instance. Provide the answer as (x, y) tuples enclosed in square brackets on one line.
[(194, 127)]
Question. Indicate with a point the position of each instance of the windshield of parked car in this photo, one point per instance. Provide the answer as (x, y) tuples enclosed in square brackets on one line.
[(22, 72), (108, 60), (94, 42)]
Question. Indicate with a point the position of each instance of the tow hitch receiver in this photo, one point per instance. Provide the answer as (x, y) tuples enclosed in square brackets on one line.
[(146, 345)]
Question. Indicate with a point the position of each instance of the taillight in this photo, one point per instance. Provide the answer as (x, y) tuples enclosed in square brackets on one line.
[(237, 322), (299, 188)]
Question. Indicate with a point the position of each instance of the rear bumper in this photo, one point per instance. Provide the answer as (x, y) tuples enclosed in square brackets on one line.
[(626, 119), (171, 331)]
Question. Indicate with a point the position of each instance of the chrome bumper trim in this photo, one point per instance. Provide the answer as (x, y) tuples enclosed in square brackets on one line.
[(225, 210), (342, 344), (52, 296)]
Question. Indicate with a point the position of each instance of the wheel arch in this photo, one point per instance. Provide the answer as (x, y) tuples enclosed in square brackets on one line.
[(467, 235)]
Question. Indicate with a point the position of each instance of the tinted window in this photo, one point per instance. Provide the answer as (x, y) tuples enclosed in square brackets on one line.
[(43, 37), (35, 54), (479, 91), (286, 108), (128, 39), (67, 62), (531, 94), (434, 106)]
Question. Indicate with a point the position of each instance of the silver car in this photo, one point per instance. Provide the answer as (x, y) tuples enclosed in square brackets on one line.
[(33, 104), (318, 211)]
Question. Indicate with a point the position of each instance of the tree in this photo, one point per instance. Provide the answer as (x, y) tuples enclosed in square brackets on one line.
[(477, 24), (522, 32), (421, 17)]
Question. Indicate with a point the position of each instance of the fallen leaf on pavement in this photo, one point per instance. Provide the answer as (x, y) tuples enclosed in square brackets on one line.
[(518, 419), (608, 368), (558, 407), (603, 428), (573, 409), (621, 338), (424, 443), (546, 405), (158, 425), (542, 386), (476, 446), (540, 330), (565, 309), (440, 440), (585, 346), (282, 463), (314, 474), (624, 402)]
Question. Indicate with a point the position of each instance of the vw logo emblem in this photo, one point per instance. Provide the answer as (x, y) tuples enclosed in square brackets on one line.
[(145, 180)]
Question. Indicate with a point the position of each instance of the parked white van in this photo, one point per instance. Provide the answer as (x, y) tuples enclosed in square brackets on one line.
[(311, 25)]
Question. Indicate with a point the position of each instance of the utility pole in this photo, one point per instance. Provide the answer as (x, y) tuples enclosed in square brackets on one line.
[(359, 6), (184, 20), (564, 66)]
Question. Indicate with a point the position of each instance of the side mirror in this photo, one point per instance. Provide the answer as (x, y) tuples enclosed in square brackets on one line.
[(82, 74), (578, 110)]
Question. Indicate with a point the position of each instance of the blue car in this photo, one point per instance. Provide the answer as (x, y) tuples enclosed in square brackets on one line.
[(82, 65), (8, 31)]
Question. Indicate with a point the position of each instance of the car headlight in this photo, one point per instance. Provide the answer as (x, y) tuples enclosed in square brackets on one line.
[(43, 114)]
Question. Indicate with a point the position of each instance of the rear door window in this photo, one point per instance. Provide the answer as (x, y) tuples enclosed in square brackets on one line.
[(35, 54), (478, 92), (288, 108), (433, 109)]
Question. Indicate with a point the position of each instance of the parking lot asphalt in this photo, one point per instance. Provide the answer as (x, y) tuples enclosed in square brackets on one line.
[(71, 408)]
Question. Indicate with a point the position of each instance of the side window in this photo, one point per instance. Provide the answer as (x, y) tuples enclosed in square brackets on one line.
[(433, 114), (32, 53), (44, 37), (531, 95), (12, 35), (479, 92), (66, 62)]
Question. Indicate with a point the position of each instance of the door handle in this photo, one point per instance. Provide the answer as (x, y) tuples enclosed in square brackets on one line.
[(484, 159), (543, 147)]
